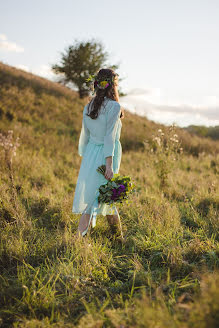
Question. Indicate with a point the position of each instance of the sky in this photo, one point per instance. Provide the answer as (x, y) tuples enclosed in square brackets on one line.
[(167, 50)]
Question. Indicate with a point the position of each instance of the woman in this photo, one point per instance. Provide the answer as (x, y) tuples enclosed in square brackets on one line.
[(99, 144)]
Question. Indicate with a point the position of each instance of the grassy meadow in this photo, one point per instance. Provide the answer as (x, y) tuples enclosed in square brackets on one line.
[(166, 275)]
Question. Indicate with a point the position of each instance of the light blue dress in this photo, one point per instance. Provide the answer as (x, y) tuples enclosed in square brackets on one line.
[(99, 138)]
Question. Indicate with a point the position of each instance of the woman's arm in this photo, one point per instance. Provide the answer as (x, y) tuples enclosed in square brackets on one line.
[(83, 139), (109, 139)]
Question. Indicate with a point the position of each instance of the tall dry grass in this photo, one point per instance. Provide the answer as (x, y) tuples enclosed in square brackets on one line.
[(165, 275)]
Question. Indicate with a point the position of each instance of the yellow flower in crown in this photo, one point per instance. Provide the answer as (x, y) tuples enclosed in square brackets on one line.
[(104, 84), (97, 83)]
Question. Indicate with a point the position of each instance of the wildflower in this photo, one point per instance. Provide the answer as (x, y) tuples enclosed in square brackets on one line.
[(7, 143), (104, 84), (158, 140), (159, 130)]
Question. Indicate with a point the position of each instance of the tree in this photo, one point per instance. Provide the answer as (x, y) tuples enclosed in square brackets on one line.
[(79, 61)]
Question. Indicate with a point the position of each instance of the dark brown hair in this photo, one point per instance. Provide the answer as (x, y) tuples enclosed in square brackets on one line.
[(110, 92)]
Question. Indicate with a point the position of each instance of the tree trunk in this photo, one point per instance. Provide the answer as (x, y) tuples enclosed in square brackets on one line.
[(83, 93)]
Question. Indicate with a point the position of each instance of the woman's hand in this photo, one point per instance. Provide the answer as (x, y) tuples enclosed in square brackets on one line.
[(108, 172)]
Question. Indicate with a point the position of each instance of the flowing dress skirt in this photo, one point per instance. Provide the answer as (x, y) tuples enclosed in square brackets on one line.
[(89, 180)]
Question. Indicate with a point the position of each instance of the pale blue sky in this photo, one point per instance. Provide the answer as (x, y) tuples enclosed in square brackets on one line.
[(168, 50)]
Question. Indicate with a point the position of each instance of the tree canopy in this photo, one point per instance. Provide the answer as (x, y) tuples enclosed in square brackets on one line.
[(80, 60)]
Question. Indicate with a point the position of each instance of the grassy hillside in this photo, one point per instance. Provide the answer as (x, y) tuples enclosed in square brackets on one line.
[(47, 107), (204, 131), (165, 275)]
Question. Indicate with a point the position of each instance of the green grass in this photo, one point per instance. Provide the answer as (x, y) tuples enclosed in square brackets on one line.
[(165, 275)]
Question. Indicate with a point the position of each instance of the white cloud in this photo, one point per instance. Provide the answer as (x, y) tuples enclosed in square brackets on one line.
[(3, 37), (155, 107), (8, 45), (139, 92), (212, 100), (23, 67), (42, 70), (145, 93)]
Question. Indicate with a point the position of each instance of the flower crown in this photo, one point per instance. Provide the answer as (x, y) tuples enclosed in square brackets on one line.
[(101, 83)]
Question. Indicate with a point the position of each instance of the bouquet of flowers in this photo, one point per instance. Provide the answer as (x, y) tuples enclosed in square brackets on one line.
[(116, 189)]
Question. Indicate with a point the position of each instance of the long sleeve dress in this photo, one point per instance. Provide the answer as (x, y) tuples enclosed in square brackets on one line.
[(99, 138)]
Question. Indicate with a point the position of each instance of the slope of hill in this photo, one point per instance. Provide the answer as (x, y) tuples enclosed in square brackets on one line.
[(165, 275), (46, 106), (204, 131)]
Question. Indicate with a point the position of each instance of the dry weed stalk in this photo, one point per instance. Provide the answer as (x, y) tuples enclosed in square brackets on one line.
[(166, 149), (9, 147)]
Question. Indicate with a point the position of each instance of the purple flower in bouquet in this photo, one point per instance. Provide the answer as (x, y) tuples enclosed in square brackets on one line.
[(117, 192), (122, 187), (114, 195)]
